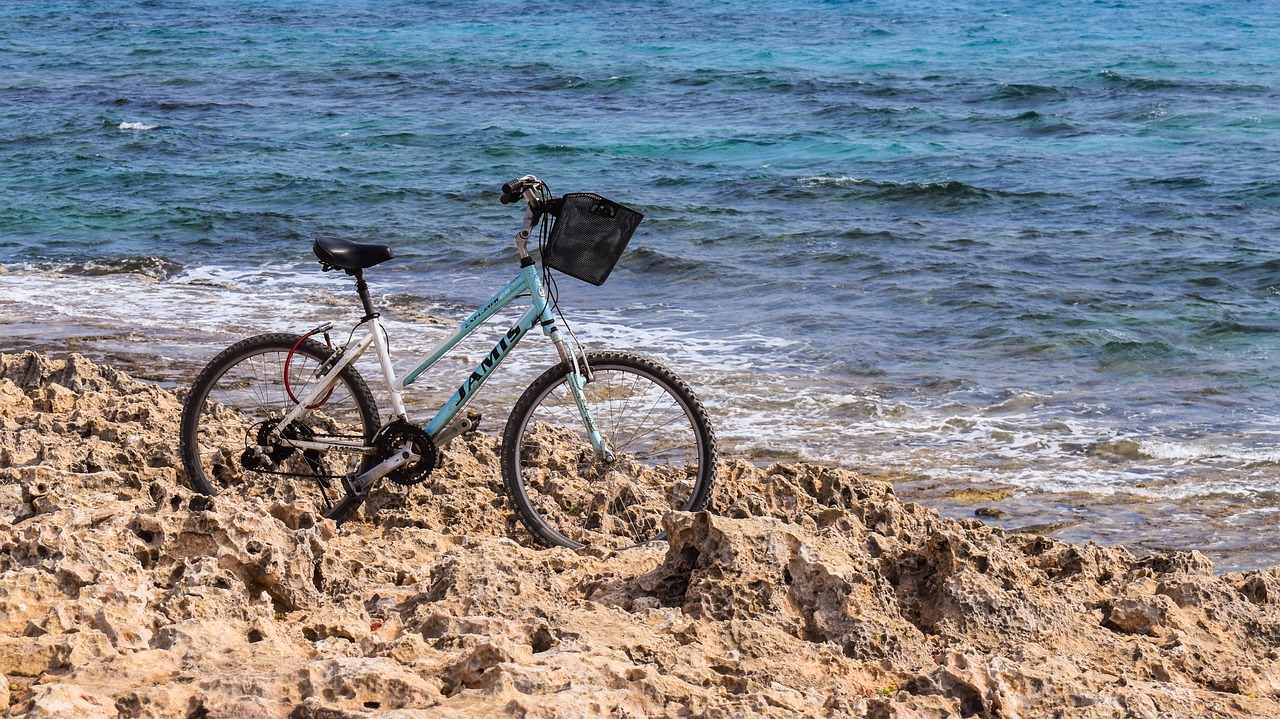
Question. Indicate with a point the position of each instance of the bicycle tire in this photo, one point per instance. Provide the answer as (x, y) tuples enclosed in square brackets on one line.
[(240, 391), (658, 428)]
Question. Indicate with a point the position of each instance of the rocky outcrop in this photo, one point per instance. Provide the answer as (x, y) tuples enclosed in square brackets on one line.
[(808, 591)]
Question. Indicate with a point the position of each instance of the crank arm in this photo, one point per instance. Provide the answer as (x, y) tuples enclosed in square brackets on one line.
[(360, 484)]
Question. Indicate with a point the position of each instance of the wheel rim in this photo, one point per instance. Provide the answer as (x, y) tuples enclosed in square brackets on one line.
[(241, 406), (584, 500)]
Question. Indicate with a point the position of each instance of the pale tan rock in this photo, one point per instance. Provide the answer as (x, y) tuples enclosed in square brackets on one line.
[(810, 592), (370, 683), (67, 701), (1143, 615), (26, 595), (56, 399), (901, 705), (14, 403)]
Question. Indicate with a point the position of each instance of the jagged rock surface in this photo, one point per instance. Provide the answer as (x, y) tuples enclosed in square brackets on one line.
[(808, 592)]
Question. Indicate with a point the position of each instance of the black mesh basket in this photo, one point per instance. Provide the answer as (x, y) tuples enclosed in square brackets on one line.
[(588, 237)]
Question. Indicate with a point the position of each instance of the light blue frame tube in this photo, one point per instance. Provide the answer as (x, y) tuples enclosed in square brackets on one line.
[(539, 313), (526, 281)]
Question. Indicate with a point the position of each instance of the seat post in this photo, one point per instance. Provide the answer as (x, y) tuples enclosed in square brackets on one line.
[(362, 288)]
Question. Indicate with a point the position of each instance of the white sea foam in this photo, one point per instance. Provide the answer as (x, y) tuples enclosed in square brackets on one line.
[(1213, 452), (844, 181), (762, 404), (136, 126)]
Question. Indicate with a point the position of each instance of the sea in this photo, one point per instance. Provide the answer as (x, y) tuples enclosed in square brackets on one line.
[(1019, 258)]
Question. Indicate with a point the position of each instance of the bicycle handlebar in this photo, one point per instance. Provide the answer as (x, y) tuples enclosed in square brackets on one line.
[(512, 191), (526, 188), (516, 185)]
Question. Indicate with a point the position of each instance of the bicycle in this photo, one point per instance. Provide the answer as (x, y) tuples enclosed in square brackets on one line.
[(595, 451)]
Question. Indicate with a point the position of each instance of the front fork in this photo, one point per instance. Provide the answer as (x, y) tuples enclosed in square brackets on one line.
[(578, 377)]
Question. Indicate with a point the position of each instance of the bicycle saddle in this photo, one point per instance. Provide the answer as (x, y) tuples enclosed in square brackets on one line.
[(347, 255)]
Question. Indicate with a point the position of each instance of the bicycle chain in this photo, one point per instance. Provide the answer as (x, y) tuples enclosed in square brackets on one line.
[(389, 439), (265, 428)]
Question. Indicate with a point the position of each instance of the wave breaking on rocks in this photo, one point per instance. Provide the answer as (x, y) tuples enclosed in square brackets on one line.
[(806, 591)]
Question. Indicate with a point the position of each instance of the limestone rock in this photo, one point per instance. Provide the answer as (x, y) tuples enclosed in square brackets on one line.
[(1143, 615), (808, 592)]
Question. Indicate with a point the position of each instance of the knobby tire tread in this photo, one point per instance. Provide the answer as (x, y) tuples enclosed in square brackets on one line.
[(231, 356), (510, 455)]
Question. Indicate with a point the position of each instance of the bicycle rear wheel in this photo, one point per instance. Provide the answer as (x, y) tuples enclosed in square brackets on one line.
[(237, 400), (665, 454)]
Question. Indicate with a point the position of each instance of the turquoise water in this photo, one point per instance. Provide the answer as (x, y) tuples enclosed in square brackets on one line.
[(1013, 245)]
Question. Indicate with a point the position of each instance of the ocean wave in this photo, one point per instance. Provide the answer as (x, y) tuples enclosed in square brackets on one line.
[(157, 268), (1196, 85), (1024, 91), (1210, 452), (1035, 123), (1228, 328), (138, 126), (1257, 190), (1121, 351), (645, 260), (1137, 83), (936, 190), (1190, 182)]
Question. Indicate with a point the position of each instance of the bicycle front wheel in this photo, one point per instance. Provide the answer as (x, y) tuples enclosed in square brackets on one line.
[(663, 445), (241, 396)]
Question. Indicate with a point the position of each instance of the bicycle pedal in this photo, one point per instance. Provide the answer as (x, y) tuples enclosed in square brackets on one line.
[(473, 418), (349, 487)]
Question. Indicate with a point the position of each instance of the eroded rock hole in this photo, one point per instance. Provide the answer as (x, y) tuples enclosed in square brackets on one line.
[(542, 640)]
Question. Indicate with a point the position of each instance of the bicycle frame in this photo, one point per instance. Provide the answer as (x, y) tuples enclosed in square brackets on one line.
[(527, 282)]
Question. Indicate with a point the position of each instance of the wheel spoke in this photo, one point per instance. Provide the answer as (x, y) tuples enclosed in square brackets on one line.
[(664, 454), (236, 404)]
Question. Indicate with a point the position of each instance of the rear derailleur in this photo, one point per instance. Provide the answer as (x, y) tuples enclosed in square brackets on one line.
[(257, 459)]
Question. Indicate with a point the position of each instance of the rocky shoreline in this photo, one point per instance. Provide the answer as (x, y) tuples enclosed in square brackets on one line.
[(808, 591)]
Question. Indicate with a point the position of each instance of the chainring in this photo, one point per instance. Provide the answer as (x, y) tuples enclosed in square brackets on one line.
[(393, 436)]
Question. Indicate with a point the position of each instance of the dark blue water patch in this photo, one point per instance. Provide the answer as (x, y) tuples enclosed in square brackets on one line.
[(941, 194), (665, 267), (1023, 92), (1230, 329), (1197, 86), (1171, 183)]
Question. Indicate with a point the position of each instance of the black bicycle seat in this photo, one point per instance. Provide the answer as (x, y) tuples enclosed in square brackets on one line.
[(348, 255)]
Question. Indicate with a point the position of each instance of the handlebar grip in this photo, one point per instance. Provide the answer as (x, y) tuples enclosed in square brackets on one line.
[(514, 187), (510, 197)]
